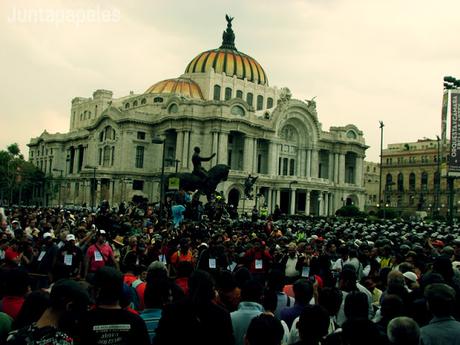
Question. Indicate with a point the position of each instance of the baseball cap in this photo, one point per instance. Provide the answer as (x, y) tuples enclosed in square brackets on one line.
[(411, 276), (70, 237), (47, 234), (102, 232)]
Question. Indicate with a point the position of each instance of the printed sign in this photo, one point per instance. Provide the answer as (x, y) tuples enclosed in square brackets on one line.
[(173, 183), (454, 152)]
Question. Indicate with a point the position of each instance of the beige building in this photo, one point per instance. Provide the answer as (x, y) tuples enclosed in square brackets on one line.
[(371, 184), (410, 177), (224, 104)]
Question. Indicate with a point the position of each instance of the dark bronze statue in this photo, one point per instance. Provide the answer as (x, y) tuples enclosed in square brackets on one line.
[(200, 179), (248, 186)]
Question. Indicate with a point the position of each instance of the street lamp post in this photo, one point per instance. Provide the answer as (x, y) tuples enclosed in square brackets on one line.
[(157, 140), (381, 162), (60, 182), (93, 186), (290, 195)]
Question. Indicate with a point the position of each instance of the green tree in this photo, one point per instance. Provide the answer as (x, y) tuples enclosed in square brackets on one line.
[(19, 180)]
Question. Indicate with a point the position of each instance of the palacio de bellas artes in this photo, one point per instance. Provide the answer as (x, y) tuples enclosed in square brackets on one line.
[(223, 104)]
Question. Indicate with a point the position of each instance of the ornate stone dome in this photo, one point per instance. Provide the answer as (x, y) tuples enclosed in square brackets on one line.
[(229, 60), (180, 86)]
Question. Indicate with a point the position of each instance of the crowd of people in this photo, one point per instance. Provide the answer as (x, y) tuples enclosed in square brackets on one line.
[(127, 275)]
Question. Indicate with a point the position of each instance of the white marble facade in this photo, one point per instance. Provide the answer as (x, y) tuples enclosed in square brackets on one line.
[(217, 105)]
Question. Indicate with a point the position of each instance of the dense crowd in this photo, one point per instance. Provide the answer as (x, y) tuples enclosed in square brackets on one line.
[(202, 275)]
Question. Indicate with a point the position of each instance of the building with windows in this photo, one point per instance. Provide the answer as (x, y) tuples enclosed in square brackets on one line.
[(411, 176), (371, 184), (224, 104)]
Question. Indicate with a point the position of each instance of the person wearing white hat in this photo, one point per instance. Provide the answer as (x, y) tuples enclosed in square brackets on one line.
[(71, 256), (411, 280), (99, 254)]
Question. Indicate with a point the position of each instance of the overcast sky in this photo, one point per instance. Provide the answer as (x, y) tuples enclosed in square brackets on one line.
[(364, 60)]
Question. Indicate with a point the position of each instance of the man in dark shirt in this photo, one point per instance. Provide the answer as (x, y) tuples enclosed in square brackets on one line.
[(71, 256), (108, 323)]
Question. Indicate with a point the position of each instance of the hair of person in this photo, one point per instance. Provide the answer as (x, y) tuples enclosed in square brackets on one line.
[(443, 266), (331, 299), (440, 298), (252, 291), (270, 300), (17, 282), (313, 323), (391, 306), (303, 290), (403, 330), (348, 279), (361, 332), (109, 283), (275, 279), (67, 291), (356, 305), (242, 275), (201, 287), (265, 329), (34, 305)]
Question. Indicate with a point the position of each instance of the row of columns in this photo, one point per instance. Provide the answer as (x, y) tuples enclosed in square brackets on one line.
[(306, 159), (325, 201)]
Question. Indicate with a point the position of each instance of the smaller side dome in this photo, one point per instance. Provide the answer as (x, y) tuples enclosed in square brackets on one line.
[(179, 86)]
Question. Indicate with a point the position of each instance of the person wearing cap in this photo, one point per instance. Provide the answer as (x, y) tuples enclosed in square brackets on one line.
[(99, 254), (410, 279), (46, 258), (71, 256), (68, 301)]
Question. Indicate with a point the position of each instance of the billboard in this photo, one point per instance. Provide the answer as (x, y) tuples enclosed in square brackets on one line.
[(454, 152)]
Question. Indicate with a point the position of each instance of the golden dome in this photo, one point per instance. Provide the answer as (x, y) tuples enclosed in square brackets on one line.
[(229, 60), (180, 86)]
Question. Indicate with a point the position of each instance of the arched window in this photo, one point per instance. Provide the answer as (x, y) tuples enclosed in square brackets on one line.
[(412, 181), (260, 102), (400, 182), (269, 103), (216, 92), (135, 103), (158, 100), (389, 182), (424, 181), (239, 94), (143, 101), (107, 156), (228, 93), (101, 136), (173, 109), (250, 98), (126, 105)]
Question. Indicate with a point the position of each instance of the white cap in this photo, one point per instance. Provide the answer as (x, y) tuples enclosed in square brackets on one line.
[(70, 237), (47, 234), (411, 276), (102, 232)]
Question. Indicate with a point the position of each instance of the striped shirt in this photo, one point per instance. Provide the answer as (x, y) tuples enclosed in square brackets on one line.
[(151, 318)]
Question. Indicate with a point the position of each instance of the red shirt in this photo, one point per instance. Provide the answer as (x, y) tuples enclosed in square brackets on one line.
[(11, 305), (98, 256)]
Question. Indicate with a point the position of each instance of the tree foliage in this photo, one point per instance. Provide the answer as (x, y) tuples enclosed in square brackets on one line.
[(19, 179)]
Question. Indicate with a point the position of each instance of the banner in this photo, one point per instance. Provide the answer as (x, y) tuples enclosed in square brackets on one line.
[(445, 100), (173, 183), (454, 153)]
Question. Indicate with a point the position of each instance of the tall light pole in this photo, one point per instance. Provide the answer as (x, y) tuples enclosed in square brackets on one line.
[(60, 182), (438, 177), (157, 140), (381, 163), (93, 186)]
